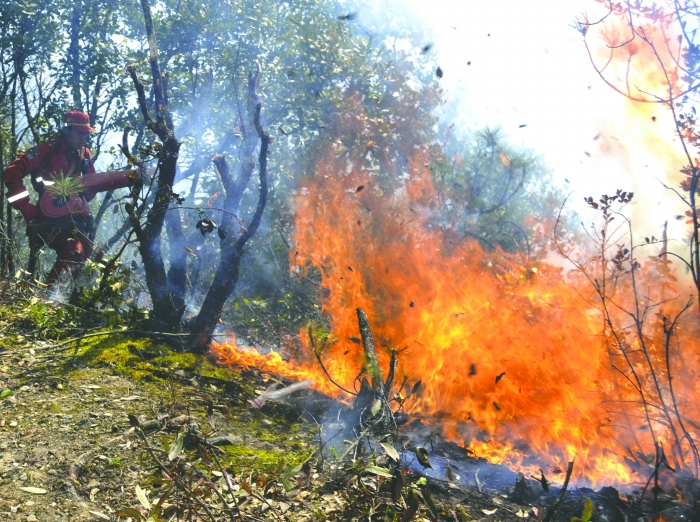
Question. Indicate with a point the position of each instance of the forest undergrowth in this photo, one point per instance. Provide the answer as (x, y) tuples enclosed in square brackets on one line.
[(119, 426)]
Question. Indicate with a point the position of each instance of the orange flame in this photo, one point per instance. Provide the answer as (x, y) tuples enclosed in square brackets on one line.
[(515, 360)]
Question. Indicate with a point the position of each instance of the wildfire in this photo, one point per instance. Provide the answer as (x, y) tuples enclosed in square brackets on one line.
[(637, 138), (507, 356), (515, 360)]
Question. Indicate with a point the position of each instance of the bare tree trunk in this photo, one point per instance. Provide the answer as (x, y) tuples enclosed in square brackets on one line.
[(3, 239), (74, 54), (177, 271), (167, 310), (232, 247)]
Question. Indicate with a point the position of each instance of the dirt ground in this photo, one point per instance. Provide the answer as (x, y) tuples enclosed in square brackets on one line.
[(69, 452)]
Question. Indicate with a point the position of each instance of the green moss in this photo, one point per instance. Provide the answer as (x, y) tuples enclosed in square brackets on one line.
[(246, 458), (145, 359), (154, 364)]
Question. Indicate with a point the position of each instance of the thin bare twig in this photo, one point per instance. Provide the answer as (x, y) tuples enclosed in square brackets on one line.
[(320, 362), (553, 508)]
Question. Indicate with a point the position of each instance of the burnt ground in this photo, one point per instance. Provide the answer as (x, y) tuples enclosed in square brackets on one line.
[(65, 429)]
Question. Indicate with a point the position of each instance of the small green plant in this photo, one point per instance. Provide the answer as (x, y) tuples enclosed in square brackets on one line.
[(153, 511), (114, 462), (64, 187), (108, 290), (587, 512), (46, 320)]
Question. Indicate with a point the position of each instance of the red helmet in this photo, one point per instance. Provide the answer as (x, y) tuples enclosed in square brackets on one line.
[(78, 120)]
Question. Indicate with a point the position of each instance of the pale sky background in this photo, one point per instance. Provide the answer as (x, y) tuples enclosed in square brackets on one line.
[(533, 70)]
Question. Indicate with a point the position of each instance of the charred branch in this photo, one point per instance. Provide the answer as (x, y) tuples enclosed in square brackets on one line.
[(125, 141), (163, 122), (224, 172), (392, 372), (95, 105), (167, 304), (378, 415), (550, 512), (373, 368), (251, 131), (141, 97)]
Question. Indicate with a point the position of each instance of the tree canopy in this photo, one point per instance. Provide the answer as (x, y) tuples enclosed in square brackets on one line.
[(336, 83)]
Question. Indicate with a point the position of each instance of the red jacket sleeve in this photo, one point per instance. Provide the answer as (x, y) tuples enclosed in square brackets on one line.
[(17, 193)]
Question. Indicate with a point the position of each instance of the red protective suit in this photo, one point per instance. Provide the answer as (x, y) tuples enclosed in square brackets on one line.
[(43, 163)]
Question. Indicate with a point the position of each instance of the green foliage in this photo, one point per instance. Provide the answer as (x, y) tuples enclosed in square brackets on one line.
[(63, 188), (40, 319), (587, 512), (331, 91), (492, 191), (107, 296)]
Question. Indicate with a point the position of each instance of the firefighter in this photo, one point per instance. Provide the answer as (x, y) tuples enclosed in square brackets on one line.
[(63, 157)]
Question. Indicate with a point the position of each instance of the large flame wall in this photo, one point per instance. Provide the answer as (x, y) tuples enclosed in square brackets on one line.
[(460, 318), (515, 360)]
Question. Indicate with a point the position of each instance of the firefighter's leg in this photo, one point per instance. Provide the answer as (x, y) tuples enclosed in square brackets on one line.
[(34, 246), (72, 250)]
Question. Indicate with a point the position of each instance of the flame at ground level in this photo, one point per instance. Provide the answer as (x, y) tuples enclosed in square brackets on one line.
[(512, 360)]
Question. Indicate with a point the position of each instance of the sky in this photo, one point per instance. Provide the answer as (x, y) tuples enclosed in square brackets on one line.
[(510, 63)]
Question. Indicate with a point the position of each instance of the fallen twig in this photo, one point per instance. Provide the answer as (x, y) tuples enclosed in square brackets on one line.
[(553, 507), (476, 478), (320, 362), (183, 487)]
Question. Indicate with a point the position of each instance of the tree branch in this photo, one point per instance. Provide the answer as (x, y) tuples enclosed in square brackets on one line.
[(141, 95)]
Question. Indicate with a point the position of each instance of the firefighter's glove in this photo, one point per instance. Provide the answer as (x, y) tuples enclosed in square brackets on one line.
[(29, 211)]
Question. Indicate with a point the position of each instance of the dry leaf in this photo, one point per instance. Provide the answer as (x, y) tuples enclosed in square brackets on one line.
[(33, 490), (390, 450), (143, 499), (99, 515), (489, 511)]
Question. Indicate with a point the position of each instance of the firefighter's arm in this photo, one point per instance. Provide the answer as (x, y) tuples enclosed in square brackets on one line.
[(17, 194)]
